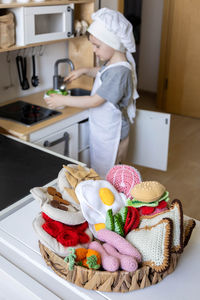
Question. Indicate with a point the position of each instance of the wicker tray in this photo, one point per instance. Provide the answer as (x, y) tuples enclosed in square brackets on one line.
[(119, 281)]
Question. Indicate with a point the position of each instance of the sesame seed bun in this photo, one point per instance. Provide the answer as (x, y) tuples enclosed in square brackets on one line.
[(148, 191)]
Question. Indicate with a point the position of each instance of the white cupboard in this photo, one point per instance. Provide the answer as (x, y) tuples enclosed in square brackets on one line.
[(149, 139)]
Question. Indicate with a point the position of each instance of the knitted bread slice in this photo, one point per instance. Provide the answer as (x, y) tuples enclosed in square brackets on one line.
[(188, 226), (123, 178), (175, 213), (154, 244), (50, 241)]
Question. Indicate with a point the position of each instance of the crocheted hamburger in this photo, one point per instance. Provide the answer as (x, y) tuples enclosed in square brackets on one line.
[(149, 197)]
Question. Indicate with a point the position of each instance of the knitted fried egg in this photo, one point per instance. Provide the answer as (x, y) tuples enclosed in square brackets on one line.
[(96, 197)]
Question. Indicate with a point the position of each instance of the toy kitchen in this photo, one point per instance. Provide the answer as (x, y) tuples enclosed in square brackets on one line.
[(44, 41), (50, 41)]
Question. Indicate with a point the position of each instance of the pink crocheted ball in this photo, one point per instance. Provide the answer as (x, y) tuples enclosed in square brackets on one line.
[(123, 178)]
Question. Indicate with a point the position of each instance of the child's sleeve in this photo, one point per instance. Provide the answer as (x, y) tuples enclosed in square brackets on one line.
[(116, 85)]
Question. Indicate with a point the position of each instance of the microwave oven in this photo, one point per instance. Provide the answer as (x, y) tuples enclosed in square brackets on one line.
[(43, 23)]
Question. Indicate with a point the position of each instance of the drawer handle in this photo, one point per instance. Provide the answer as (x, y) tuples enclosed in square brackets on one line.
[(65, 138)]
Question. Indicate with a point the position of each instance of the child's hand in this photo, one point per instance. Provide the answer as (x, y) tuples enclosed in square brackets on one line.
[(74, 75), (55, 101)]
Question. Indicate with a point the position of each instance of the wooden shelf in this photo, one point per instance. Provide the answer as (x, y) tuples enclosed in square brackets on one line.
[(44, 3), (13, 48)]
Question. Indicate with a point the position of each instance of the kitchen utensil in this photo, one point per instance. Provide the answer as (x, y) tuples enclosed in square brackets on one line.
[(10, 85), (34, 79), (21, 68)]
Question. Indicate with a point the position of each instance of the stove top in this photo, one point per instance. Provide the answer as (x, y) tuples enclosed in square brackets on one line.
[(26, 113)]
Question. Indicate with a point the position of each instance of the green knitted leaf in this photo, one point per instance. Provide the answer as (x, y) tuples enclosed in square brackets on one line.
[(70, 258), (118, 225), (92, 262), (109, 220), (123, 212)]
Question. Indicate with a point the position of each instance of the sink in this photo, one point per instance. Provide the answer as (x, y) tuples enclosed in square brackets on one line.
[(79, 92)]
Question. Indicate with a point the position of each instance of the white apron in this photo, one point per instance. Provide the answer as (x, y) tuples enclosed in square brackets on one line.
[(105, 122)]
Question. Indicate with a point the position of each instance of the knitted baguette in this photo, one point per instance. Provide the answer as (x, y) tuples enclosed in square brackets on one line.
[(118, 242), (109, 263), (127, 262)]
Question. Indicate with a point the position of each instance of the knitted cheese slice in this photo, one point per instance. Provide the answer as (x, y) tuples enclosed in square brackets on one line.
[(123, 178), (51, 242), (72, 216), (175, 213), (154, 244)]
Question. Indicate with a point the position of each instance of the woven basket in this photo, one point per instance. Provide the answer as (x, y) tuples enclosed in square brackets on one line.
[(119, 281), (7, 30)]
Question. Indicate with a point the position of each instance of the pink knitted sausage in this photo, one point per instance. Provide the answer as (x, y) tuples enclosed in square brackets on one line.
[(127, 262), (118, 242), (109, 263)]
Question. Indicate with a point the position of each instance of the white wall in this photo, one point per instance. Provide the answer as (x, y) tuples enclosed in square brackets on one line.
[(44, 69), (149, 53), (112, 4), (149, 48)]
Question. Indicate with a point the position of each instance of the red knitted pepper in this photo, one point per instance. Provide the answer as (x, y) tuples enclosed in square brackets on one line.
[(146, 210), (132, 220), (53, 228), (46, 218), (68, 238), (162, 204), (83, 238), (66, 235)]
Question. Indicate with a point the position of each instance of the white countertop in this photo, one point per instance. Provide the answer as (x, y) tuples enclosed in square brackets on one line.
[(23, 267)]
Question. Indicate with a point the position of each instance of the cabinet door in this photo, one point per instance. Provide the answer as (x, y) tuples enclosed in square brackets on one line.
[(149, 140), (179, 87), (83, 135), (84, 156), (64, 142)]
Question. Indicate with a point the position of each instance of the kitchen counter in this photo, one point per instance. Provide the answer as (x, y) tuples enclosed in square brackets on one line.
[(23, 264), (22, 167), (23, 131)]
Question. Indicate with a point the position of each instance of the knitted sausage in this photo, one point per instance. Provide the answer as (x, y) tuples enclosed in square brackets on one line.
[(118, 242), (127, 262), (109, 263)]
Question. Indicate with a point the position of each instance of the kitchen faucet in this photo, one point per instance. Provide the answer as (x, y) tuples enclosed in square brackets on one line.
[(57, 79)]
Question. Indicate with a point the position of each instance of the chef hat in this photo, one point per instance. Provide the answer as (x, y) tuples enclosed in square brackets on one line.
[(113, 29)]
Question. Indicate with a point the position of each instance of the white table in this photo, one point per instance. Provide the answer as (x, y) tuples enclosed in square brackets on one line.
[(25, 275)]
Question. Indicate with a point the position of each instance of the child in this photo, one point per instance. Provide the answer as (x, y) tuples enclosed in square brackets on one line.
[(114, 90)]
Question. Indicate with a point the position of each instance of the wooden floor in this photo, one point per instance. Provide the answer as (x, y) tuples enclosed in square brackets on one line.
[(182, 178)]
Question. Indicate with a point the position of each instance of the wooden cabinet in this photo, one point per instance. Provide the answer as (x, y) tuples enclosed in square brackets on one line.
[(78, 47), (64, 141), (178, 88)]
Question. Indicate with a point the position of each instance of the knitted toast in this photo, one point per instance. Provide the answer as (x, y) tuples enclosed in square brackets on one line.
[(188, 226), (154, 244), (175, 213)]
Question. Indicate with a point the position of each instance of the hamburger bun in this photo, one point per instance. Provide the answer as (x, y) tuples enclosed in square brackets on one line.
[(148, 191)]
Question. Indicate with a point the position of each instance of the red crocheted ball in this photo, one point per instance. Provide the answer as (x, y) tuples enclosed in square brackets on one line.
[(123, 178)]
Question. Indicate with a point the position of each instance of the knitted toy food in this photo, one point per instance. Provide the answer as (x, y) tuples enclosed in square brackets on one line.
[(127, 262), (134, 247), (149, 197), (123, 178), (96, 197)]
